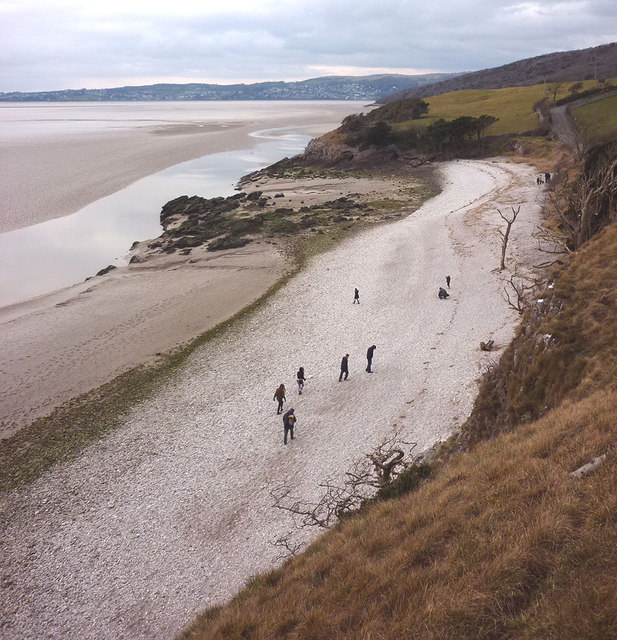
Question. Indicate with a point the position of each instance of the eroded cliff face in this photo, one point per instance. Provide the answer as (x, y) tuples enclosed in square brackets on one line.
[(327, 150), (330, 150)]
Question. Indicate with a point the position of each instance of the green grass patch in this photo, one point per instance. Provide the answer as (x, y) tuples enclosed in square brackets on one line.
[(284, 227), (597, 121), (512, 105), (387, 204), (291, 171)]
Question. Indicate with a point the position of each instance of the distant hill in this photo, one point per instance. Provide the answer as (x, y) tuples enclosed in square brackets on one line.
[(325, 88), (565, 66)]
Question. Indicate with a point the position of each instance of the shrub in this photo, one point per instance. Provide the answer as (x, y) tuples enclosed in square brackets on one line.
[(228, 242), (283, 226)]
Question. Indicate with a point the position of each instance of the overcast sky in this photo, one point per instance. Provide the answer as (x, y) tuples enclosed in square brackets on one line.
[(73, 44)]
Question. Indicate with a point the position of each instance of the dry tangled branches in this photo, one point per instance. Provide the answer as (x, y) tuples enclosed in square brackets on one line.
[(360, 482)]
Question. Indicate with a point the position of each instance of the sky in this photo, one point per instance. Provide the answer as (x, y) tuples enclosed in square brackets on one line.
[(72, 44)]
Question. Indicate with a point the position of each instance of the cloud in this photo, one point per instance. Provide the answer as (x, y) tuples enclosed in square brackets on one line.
[(79, 43)]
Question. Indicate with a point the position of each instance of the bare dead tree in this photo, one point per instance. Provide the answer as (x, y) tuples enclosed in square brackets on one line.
[(517, 293), (552, 241), (594, 187), (505, 235), (554, 89), (576, 209), (360, 482)]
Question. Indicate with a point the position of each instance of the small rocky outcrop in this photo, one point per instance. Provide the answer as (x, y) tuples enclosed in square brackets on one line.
[(107, 269)]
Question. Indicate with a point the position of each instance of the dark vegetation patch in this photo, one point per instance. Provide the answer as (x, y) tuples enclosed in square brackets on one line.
[(232, 222)]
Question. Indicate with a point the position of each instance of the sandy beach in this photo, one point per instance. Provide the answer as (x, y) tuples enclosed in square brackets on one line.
[(172, 512), (59, 346)]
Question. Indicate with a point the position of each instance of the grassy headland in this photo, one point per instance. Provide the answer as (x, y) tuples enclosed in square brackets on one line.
[(469, 123), (597, 120)]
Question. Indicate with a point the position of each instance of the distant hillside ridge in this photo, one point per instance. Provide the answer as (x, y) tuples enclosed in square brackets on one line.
[(324, 88), (564, 66)]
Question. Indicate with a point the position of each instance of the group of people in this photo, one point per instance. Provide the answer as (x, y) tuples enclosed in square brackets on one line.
[(543, 178), (289, 417)]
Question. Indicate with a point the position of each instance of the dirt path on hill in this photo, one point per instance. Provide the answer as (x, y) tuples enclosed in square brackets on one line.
[(172, 512)]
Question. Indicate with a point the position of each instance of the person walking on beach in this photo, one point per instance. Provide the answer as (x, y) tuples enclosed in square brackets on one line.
[(356, 296), (369, 358), (344, 367), (301, 380), (289, 420), (443, 294), (448, 281), (279, 395)]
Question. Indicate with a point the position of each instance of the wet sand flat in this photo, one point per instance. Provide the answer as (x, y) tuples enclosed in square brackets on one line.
[(44, 176)]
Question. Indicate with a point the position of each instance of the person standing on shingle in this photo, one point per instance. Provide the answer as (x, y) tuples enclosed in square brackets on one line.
[(369, 358), (448, 281), (289, 421), (344, 367), (301, 380), (279, 395), (356, 296)]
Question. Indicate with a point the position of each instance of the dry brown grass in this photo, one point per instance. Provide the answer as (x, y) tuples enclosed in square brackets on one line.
[(567, 347), (502, 544)]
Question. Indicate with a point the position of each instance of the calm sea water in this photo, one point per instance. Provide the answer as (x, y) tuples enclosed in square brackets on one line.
[(45, 257)]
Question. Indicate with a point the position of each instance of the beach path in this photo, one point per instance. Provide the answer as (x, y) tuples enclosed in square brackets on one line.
[(172, 512)]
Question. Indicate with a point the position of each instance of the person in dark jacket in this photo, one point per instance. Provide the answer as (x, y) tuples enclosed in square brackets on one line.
[(369, 358), (344, 367), (289, 420), (448, 281), (443, 294), (279, 395), (356, 296), (301, 380)]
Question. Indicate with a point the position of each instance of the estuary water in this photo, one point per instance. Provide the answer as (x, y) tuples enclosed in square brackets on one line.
[(44, 257)]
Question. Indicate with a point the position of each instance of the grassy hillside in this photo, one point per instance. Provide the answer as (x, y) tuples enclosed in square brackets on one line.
[(561, 66), (513, 106), (598, 119), (501, 542)]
